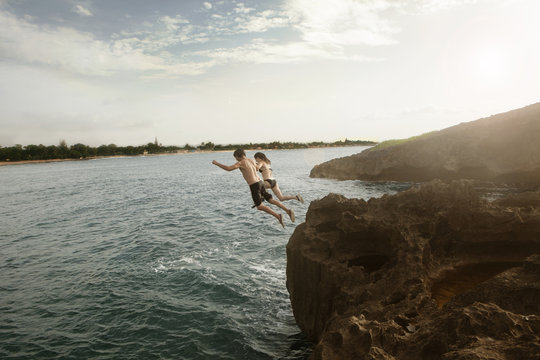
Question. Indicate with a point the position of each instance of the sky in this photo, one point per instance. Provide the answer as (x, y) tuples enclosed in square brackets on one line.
[(126, 72)]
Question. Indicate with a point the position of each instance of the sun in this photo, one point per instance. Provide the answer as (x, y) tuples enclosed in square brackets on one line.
[(488, 63)]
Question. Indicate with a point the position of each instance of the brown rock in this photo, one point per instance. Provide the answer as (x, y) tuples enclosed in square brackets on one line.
[(434, 272)]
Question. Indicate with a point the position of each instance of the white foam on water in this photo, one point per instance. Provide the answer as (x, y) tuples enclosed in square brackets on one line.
[(178, 264)]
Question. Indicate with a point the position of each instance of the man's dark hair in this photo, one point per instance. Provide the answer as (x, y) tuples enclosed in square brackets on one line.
[(239, 153)]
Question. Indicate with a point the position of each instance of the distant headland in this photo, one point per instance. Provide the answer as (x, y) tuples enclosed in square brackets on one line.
[(502, 148), (40, 153)]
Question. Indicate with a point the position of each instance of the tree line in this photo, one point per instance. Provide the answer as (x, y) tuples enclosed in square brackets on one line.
[(81, 151), (277, 145)]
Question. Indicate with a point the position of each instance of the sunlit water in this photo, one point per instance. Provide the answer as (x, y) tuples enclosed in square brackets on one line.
[(152, 258)]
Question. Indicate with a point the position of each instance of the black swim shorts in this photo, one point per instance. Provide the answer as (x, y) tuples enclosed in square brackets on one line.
[(258, 193), (272, 182)]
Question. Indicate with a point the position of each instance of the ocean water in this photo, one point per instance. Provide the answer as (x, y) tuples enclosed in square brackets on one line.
[(157, 257)]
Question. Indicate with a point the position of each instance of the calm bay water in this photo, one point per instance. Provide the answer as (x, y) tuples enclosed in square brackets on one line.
[(152, 258)]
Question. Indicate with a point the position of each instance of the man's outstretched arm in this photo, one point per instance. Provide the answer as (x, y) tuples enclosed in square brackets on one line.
[(226, 167)]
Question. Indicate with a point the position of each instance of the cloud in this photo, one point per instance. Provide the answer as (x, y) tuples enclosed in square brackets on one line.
[(431, 6), (242, 9), (320, 29), (327, 31), (260, 51), (152, 50), (343, 23), (80, 52), (173, 24), (262, 22), (82, 11), (165, 33), (20, 40)]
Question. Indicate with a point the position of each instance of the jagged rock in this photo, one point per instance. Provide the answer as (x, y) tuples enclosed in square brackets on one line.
[(502, 148), (434, 272), (522, 199)]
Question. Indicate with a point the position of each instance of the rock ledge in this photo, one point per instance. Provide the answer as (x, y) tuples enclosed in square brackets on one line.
[(434, 272)]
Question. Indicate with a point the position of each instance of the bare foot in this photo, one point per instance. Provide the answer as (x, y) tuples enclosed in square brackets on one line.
[(291, 214), (300, 198), (280, 219)]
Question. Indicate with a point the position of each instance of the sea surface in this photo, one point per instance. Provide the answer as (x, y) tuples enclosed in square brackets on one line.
[(157, 257)]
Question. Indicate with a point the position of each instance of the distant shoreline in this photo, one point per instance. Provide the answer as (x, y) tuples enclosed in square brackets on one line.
[(30, 154), (180, 152), (22, 162)]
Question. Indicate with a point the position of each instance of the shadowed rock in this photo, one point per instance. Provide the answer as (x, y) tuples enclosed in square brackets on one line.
[(390, 278)]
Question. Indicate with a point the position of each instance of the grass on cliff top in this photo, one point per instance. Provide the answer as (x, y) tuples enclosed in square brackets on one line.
[(395, 142)]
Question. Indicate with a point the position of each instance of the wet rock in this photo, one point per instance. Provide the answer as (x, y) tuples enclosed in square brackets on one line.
[(362, 276)]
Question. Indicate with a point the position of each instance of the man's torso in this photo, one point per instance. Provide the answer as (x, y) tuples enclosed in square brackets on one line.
[(249, 171)]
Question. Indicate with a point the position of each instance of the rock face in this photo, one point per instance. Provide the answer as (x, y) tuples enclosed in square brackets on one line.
[(434, 272), (501, 148)]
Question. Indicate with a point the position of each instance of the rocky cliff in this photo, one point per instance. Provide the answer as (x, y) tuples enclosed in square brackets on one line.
[(501, 148), (434, 272)]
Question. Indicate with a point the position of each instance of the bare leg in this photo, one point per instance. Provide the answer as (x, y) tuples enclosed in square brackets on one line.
[(279, 195), (289, 212), (278, 204), (271, 212)]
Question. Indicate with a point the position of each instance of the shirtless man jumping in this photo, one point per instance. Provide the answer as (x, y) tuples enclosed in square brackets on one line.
[(256, 185)]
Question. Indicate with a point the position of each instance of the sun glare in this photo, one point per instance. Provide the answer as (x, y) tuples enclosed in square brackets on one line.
[(488, 64)]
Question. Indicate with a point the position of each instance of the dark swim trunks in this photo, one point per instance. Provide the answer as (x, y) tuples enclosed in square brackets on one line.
[(258, 193), (272, 182)]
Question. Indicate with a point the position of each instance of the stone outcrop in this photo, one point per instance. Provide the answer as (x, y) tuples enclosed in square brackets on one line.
[(434, 272), (501, 148)]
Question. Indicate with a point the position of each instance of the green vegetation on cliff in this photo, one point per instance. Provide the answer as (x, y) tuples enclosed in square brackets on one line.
[(394, 142)]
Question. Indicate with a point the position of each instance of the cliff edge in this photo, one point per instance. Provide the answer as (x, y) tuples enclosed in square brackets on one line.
[(434, 272), (501, 148)]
